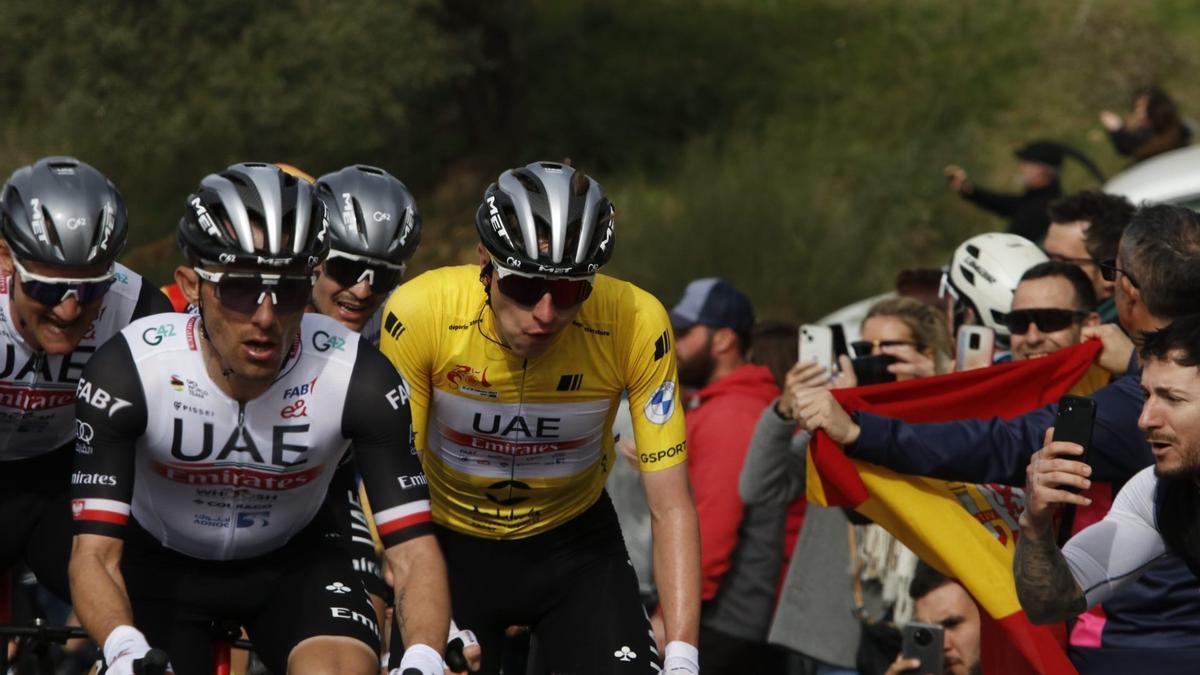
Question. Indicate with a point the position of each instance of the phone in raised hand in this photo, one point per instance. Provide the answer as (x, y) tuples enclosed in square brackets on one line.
[(816, 345)]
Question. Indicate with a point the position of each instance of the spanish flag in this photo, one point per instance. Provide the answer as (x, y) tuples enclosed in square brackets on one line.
[(966, 531)]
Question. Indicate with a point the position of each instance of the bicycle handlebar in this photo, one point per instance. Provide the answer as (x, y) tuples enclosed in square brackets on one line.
[(153, 663)]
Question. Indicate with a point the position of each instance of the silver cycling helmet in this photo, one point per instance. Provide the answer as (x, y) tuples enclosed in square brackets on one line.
[(371, 214), (61, 211), (552, 203), (216, 227)]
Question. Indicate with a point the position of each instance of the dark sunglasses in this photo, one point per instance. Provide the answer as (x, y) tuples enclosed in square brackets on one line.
[(53, 291), (1046, 320), (244, 292), (527, 291), (350, 270), (1109, 271), (863, 348)]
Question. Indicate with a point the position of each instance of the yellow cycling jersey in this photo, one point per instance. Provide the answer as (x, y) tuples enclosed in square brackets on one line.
[(512, 447)]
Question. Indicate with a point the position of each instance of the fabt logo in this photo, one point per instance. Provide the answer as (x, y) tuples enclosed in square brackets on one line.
[(98, 398), (398, 396)]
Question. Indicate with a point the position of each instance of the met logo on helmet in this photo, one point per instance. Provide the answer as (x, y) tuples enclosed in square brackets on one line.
[(37, 222), (205, 219), (495, 219), (348, 216)]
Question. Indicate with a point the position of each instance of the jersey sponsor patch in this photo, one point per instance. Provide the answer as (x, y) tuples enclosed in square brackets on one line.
[(661, 405)]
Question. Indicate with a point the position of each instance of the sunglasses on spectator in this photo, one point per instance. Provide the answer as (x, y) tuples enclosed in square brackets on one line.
[(348, 270), (867, 347), (53, 291), (527, 289), (243, 292), (1046, 320), (1109, 271)]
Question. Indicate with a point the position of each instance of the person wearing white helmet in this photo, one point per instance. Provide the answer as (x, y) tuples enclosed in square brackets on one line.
[(983, 275)]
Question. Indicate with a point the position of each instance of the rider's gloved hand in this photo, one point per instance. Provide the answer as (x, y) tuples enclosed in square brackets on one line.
[(123, 646), (419, 659), (680, 658), (462, 650)]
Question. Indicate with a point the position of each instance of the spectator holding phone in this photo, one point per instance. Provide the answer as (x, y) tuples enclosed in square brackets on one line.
[(1153, 516), (942, 601), (815, 616), (1157, 277)]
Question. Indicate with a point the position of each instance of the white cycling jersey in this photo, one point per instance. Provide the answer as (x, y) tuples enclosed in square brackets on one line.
[(37, 390), (217, 479), (1113, 552)]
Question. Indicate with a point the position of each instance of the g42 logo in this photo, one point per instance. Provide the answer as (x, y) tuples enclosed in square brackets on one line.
[(324, 342), (154, 336)]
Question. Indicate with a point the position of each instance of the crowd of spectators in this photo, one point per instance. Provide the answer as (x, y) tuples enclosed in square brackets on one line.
[(793, 586)]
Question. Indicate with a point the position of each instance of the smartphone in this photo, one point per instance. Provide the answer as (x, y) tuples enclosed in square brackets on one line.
[(976, 347), (1074, 422), (816, 345), (924, 642), (873, 369)]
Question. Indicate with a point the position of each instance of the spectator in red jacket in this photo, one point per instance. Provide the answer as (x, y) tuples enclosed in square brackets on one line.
[(738, 545)]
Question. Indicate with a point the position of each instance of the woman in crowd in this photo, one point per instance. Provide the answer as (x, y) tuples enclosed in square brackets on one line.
[(819, 601)]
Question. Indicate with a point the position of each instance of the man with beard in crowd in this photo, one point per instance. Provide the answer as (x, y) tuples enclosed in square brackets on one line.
[(712, 323)]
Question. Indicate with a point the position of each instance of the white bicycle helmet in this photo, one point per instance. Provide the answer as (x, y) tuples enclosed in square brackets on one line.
[(984, 274)]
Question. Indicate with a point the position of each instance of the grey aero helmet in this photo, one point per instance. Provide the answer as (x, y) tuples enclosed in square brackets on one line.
[(61, 211), (216, 226), (553, 202), (371, 214)]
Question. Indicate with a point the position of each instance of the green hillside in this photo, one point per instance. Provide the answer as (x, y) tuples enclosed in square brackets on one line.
[(794, 147)]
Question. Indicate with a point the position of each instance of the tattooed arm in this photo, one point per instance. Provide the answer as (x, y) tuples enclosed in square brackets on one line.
[(1052, 585), (1045, 587)]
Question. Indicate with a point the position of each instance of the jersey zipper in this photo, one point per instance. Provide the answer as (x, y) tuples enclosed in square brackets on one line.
[(512, 472), (231, 507)]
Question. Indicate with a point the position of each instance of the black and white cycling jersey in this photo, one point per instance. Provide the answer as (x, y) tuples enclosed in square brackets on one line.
[(217, 479), (37, 390)]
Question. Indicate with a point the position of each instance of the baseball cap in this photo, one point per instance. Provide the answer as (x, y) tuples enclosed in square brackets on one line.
[(713, 302)]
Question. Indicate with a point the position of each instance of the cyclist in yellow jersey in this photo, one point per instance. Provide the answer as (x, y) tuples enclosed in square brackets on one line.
[(516, 367)]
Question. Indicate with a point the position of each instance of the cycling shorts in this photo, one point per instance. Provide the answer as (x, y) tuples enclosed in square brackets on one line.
[(306, 588), (572, 585)]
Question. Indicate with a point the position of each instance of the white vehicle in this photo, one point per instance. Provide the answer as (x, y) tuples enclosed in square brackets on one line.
[(1172, 177), (851, 316)]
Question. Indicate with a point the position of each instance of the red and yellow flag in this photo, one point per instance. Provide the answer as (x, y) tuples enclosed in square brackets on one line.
[(965, 531)]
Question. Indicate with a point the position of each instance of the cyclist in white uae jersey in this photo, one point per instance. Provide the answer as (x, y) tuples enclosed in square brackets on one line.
[(61, 297), (215, 437)]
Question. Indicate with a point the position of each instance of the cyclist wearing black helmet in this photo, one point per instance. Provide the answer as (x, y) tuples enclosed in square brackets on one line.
[(216, 437), (517, 365), (62, 295), (374, 229)]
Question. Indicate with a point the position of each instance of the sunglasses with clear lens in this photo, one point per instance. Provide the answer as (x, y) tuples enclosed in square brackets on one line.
[(53, 291), (1046, 320), (1109, 271), (349, 270), (867, 347), (244, 292), (527, 290)]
